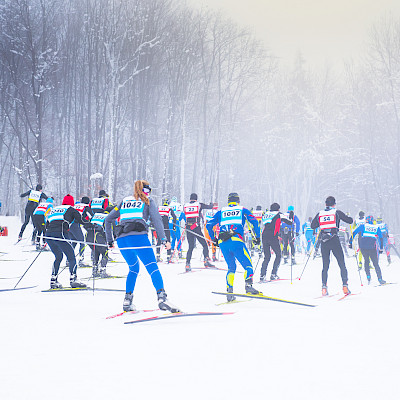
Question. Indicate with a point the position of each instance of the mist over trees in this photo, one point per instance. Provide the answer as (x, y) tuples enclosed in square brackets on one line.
[(191, 102)]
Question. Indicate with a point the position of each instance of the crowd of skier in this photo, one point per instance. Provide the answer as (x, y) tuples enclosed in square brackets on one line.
[(231, 232)]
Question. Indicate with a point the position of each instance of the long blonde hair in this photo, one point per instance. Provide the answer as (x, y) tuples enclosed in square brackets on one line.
[(138, 193)]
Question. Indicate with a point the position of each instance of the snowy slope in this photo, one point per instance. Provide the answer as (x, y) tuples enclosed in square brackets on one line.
[(61, 346)]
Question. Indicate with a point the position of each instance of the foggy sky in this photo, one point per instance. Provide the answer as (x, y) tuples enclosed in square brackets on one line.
[(324, 31)]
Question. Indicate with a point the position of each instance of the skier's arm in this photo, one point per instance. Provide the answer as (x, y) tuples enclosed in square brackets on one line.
[(155, 218), (205, 206), (25, 194), (216, 219), (380, 239), (344, 217), (315, 222), (253, 220), (108, 222)]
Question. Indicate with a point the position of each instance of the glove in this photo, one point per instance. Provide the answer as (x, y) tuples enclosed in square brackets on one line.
[(380, 251), (291, 215), (257, 241), (350, 245), (297, 234), (215, 241), (110, 245)]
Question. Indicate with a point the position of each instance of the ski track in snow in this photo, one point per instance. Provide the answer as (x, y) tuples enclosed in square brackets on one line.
[(61, 346)]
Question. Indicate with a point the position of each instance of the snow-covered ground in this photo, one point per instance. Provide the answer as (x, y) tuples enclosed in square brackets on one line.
[(61, 346)]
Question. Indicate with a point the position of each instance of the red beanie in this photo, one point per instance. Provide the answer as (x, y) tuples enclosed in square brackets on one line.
[(68, 200)]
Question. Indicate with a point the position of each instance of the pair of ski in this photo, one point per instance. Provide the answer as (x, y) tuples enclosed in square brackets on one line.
[(337, 294), (80, 289), (164, 316)]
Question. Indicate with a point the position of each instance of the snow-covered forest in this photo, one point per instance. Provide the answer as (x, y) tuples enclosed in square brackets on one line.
[(192, 102)]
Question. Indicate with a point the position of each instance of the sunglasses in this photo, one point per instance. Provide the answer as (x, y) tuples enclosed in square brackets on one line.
[(146, 189)]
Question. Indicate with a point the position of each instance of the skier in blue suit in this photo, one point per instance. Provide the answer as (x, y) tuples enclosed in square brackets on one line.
[(231, 241)]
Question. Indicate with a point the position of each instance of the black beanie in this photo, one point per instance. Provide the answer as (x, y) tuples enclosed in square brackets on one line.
[(39, 186), (85, 200), (258, 208), (361, 214), (275, 207), (102, 192), (233, 198), (193, 196), (330, 201)]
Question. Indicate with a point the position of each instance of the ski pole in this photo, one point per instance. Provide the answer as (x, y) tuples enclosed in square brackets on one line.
[(20, 279), (316, 241)]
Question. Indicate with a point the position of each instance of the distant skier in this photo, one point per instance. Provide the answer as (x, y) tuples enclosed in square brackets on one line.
[(231, 241), (271, 223), (328, 220), (39, 218), (58, 222), (34, 198), (192, 212), (166, 213), (308, 234), (288, 233), (357, 222), (369, 236), (209, 214), (134, 244), (101, 204), (385, 236), (177, 235)]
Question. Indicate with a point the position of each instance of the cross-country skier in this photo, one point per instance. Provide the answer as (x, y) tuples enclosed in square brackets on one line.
[(34, 198), (166, 213), (288, 233), (231, 241), (369, 236), (385, 236), (177, 235), (328, 220), (101, 204), (134, 244), (192, 212), (209, 214), (271, 223), (75, 230), (58, 222), (308, 234), (39, 220), (357, 222)]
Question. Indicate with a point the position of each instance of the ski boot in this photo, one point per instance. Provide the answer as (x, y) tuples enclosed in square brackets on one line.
[(325, 290), (180, 254), (168, 260), (249, 287), (164, 304), (262, 278), (207, 263), (127, 304), (369, 280), (346, 290), (95, 272), (81, 262), (103, 273), (188, 268), (274, 277), (230, 297), (389, 260), (285, 260), (159, 259), (293, 261), (74, 283), (214, 258), (38, 247), (54, 284), (381, 281)]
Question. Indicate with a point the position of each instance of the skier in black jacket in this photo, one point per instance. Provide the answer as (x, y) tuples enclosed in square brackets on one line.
[(328, 220), (34, 198)]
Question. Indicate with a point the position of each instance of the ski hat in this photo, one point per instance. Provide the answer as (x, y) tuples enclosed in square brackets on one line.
[(215, 206), (275, 207), (379, 220), (165, 202), (233, 198), (369, 219), (193, 196), (258, 208), (68, 200), (174, 199), (330, 201), (85, 200), (102, 192), (50, 200), (290, 208), (361, 214), (38, 187)]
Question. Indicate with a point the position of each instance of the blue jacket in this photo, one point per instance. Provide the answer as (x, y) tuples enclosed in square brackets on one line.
[(367, 242), (246, 215), (296, 224)]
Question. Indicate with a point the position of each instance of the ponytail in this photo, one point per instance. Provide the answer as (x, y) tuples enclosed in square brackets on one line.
[(138, 193)]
